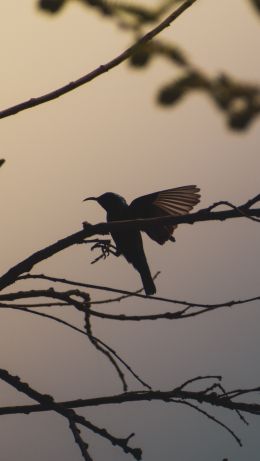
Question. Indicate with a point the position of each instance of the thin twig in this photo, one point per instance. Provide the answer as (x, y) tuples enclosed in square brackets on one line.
[(73, 327), (83, 446), (197, 378), (239, 210), (100, 348), (101, 69), (167, 315), (205, 413), (120, 298)]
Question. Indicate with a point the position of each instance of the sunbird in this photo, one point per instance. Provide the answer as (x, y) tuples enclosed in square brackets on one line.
[(171, 202)]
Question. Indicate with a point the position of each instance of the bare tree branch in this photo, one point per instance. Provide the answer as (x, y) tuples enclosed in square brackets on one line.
[(83, 446), (213, 418), (187, 304), (101, 69), (49, 404), (105, 228), (176, 395), (186, 312), (218, 400), (73, 327)]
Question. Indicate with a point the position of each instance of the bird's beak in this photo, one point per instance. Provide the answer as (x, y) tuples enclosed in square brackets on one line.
[(90, 198)]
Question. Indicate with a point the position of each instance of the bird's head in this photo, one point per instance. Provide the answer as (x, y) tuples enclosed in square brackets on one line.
[(108, 201)]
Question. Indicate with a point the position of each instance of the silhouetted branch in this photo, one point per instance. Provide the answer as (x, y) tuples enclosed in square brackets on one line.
[(103, 350), (49, 404), (187, 304), (67, 296), (124, 293), (180, 314), (83, 446), (242, 210), (209, 416), (176, 395), (101, 69), (186, 312), (216, 385), (213, 398), (124, 296), (73, 327), (105, 228), (83, 306)]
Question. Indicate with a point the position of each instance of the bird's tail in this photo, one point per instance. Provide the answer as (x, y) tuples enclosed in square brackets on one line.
[(148, 283), (144, 271)]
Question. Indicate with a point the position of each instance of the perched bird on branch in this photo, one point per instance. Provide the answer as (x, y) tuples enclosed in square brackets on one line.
[(171, 202)]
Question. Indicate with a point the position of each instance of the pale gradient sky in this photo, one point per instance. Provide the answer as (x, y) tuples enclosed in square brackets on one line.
[(110, 135)]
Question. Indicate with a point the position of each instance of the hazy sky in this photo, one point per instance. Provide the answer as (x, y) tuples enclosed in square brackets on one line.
[(111, 135)]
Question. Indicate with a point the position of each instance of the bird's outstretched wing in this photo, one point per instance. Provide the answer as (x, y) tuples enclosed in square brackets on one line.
[(171, 202)]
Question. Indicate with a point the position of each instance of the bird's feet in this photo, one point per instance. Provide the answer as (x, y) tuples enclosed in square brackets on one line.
[(106, 247)]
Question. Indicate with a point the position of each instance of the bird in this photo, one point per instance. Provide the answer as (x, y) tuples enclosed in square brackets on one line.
[(170, 202)]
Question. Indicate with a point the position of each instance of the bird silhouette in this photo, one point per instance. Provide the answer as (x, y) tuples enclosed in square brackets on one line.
[(171, 202)]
